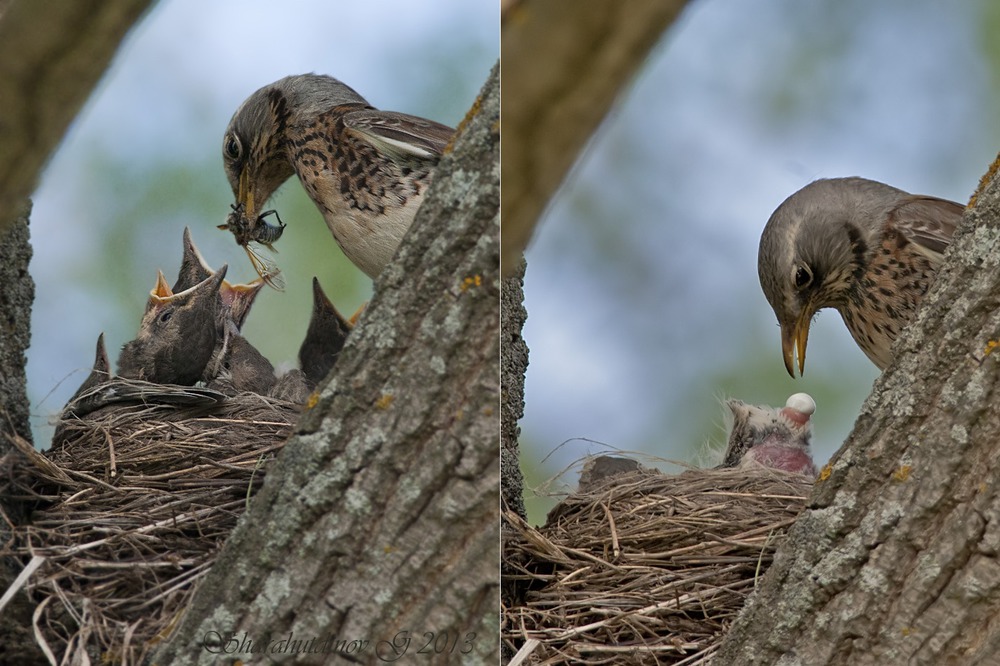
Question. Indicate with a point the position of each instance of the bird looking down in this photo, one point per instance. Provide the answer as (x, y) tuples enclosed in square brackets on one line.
[(862, 247), (366, 170)]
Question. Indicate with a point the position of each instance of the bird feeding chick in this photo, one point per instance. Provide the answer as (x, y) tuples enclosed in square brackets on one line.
[(762, 436), (366, 170)]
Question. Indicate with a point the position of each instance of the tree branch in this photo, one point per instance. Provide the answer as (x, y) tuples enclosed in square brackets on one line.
[(52, 54), (564, 63), (381, 515)]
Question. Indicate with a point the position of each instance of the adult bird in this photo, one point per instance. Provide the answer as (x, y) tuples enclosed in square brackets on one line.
[(366, 170), (867, 249)]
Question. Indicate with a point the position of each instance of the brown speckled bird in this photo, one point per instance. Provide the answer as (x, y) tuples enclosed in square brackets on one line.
[(366, 170), (860, 246)]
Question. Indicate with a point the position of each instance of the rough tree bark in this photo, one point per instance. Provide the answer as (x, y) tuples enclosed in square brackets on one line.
[(380, 519), (513, 366), (52, 54), (17, 292), (895, 560), (589, 50)]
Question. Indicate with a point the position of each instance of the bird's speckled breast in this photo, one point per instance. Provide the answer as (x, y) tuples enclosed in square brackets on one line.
[(367, 199), (887, 296)]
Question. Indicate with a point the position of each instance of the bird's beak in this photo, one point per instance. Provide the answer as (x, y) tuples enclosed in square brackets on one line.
[(794, 337), (245, 195), (162, 291)]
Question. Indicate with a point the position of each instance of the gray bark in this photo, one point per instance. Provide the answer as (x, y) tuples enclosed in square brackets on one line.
[(895, 561), (380, 519), (52, 54), (513, 366), (17, 292), (564, 64)]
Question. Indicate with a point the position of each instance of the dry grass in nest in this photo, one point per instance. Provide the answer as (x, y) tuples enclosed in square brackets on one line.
[(647, 568), (132, 503)]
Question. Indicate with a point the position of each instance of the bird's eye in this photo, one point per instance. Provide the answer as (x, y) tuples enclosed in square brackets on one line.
[(233, 147), (167, 314), (803, 277)]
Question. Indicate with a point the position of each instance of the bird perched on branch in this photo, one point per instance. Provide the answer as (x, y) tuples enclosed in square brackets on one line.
[(366, 170), (860, 246)]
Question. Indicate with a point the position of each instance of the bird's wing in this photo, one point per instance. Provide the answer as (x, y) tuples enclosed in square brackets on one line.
[(398, 133), (927, 222)]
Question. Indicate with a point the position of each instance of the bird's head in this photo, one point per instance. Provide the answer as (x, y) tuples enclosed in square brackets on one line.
[(813, 248), (177, 333), (253, 147)]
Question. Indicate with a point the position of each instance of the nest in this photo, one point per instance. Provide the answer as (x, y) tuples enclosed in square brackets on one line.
[(646, 568), (131, 505)]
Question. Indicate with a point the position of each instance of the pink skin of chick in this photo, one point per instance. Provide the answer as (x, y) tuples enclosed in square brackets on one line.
[(790, 455)]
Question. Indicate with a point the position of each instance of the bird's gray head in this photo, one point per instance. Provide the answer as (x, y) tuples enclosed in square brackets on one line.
[(252, 147), (816, 241)]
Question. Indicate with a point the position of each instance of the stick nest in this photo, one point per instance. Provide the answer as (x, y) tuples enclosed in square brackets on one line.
[(646, 568), (131, 504)]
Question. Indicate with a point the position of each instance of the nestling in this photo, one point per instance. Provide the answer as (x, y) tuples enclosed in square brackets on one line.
[(177, 334), (324, 338), (768, 437)]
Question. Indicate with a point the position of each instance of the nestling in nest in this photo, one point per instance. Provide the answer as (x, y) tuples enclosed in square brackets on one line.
[(145, 480), (641, 567)]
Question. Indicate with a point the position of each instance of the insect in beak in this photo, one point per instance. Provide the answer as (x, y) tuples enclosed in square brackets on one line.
[(261, 233)]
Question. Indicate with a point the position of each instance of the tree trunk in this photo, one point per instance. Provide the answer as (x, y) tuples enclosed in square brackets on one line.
[(52, 54), (379, 522), (513, 365), (895, 560), (17, 292)]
